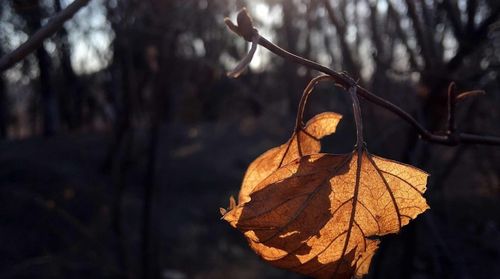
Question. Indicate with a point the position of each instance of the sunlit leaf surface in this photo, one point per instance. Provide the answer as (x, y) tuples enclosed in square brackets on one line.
[(321, 214)]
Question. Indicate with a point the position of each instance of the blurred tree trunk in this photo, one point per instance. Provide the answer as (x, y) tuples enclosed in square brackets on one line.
[(3, 104), (3, 97), (49, 107), (121, 144), (31, 12), (72, 95), (348, 53), (163, 79), (291, 39)]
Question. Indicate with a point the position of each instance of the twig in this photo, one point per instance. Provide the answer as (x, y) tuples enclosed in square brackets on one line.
[(472, 93), (43, 33), (452, 101), (246, 30)]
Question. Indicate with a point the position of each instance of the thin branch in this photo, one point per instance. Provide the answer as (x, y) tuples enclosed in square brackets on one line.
[(420, 34), (428, 25), (43, 33), (403, 35), (473, 93), (340, 26), (453, 14), (248, 32), (452, 97), (478, 37), (376, 37), (471, 14)]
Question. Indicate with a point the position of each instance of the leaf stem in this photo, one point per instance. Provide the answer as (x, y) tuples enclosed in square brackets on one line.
[(359, 162), (299, 123), (357, 117)]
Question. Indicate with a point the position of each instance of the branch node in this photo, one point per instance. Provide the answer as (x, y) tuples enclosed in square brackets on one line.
[(245, 26)]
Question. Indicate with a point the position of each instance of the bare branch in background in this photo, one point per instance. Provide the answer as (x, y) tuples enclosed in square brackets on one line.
[(479, 35), (247, 31), (340, 26), (35, 41), (471, 14), (453, 13), (420, 34), (402, 35)]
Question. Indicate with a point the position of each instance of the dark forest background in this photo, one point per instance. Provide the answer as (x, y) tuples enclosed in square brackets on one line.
[(122, 136)]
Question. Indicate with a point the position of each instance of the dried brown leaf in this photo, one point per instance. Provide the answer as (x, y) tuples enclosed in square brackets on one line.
[(320, 214), (304, 142)]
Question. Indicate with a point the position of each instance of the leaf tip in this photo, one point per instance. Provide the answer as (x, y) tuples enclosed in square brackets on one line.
[(232, 202), (232, 205), (223, 211)]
